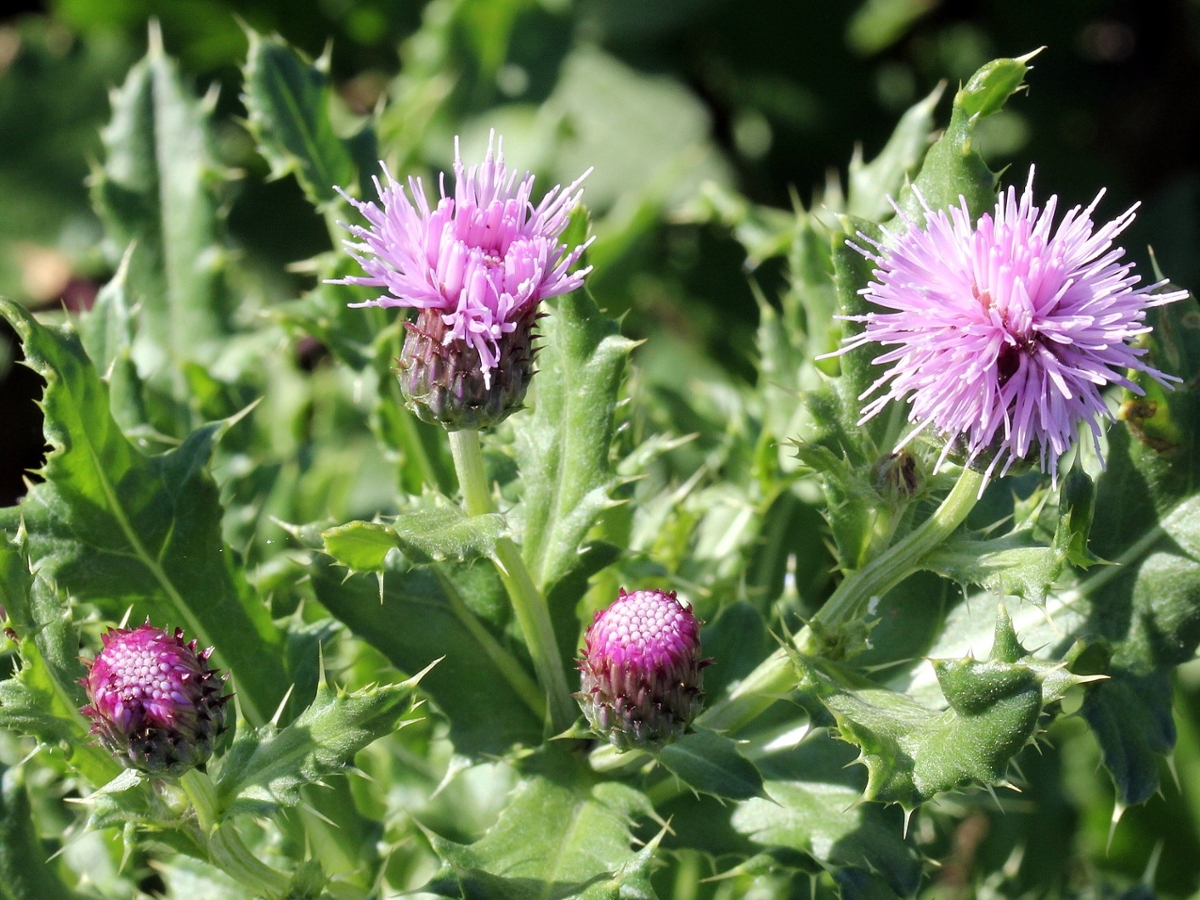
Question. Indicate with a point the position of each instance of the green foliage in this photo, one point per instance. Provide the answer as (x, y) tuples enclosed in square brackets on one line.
[(288, 101), (437, 533), (116, 527), (43, 697), (954, 167), (159, 191), (25, 873), (912, 752), (455, 614), (710, 764), (1144, 608), (558, 836), (266, 767), (562, 449), (220, 387)]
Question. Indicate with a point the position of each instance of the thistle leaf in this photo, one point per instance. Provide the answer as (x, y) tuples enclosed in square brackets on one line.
[(157, 189), (1147, 521), (266, 767), (563, 448), (118, 528), (288, 100), (458, 613), (913, 752), (953, 167), (433, 530), (25, 873), (42, 699), (813, 804), (709, 763), (873, 185), (557, 836)]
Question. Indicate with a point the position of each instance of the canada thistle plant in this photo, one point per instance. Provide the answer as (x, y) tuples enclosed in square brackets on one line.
[(853, 590), (642, 675), (154, 701), (475, 267), (1005, 332)]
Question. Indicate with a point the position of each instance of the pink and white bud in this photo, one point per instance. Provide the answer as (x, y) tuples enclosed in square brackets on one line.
[(154, 701), (642, 674)]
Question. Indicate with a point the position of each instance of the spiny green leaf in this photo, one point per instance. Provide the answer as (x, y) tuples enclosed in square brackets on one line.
[(114, 527), (157, 190), (266, 767), (913, 752), (25, 873), (42, 699), (1014, 564), (458, 613), (851, 273), (563, 447), (813, 804), (830, 822), (710, 764), (1017, 564), (1147, 521), (107, 332), (432, 530), (557, 837), (288, 100), (360, 546), (439, 534), (129, 801), (873, 185)]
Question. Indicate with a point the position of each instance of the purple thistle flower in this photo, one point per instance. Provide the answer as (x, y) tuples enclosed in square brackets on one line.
[(641, 670), (476, 266), (1005, 331), (154, 701)]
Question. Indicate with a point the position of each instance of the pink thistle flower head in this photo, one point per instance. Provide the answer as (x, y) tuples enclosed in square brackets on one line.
[(1004, 333), (154, 701), (642, 678), (475, 266)]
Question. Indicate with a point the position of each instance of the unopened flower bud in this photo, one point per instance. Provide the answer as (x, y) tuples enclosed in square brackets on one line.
[(154, 701), (642, 672)]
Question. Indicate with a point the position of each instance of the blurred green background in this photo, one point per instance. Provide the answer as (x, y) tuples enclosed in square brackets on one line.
[(767, 98)]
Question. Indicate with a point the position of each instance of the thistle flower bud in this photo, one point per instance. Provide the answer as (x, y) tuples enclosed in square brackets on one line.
[(445, 383), (642, 672), (154, 701)]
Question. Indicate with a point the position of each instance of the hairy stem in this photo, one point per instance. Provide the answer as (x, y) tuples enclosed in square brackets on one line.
[(533, 614), (775, 677), (225, 847)]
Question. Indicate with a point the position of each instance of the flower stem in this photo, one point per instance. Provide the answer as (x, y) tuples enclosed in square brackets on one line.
[(900, 560), (533, 615), (224, 844), (775, 676)]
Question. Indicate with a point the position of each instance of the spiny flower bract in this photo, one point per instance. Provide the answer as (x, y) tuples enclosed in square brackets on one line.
[(154, 701), (641, 670), (476, 266), (1006, 331)]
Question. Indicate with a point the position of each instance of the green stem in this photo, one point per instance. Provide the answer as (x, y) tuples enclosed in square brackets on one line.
[(514, 673), (472, 476), (533, 615), (224, 844), (775, 676), (900, 560), (202, 794)]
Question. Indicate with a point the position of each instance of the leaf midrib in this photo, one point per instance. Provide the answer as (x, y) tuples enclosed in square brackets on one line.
[(141, 554)]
